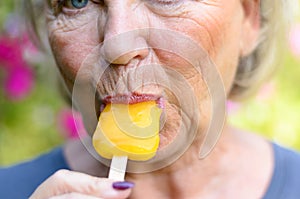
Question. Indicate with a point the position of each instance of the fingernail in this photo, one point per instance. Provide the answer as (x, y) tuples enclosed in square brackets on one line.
[(122, 185)]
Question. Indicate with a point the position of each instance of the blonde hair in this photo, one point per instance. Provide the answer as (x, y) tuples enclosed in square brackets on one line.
[(253, 70)]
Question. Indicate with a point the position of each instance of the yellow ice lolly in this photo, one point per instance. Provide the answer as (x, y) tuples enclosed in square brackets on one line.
[(128, 130)]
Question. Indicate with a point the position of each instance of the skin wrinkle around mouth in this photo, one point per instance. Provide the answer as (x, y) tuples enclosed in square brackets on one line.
[(113, 84), (141, 73), (137, 76)]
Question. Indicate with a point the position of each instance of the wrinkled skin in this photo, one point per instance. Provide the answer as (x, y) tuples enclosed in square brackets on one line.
[(225, 29), (74, 33)]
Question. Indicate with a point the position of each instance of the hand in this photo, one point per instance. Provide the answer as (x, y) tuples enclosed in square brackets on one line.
[(69, 184)]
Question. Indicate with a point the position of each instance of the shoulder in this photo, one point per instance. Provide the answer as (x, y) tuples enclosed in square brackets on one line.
[(285, 181), (288, 154), (288, 161), (28, 175)]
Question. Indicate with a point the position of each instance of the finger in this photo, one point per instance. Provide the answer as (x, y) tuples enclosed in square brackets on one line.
[(64, 181), (74, 196)]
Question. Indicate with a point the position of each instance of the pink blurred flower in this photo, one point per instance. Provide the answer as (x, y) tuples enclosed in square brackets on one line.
[(294, 40), (16, 54), (19, 82), (10, 52), (15, 46), (71, 124), (19, 79), (15, 28)]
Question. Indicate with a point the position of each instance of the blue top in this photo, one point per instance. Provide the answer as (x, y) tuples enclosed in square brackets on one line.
[(285, 183), (19, 181)]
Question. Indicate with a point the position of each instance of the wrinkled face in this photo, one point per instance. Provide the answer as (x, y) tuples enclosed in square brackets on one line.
[(119, 49)]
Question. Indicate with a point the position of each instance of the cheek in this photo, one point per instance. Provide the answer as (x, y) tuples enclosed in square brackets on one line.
[(72, 39), (217, 31), (70, 50), (228, 54)]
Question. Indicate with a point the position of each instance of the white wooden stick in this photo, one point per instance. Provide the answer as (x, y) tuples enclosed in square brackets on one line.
[(118, 168)]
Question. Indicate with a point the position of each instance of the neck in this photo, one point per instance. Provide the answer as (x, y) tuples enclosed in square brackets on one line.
[(188, 170)]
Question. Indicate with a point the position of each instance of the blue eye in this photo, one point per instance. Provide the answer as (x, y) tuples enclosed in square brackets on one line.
[(79, 3)]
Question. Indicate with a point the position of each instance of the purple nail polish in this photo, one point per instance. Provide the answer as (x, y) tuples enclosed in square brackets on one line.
[(122, 185)]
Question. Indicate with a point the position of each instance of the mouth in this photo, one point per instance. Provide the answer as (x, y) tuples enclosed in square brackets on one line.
[(166, 136), (132, 98)]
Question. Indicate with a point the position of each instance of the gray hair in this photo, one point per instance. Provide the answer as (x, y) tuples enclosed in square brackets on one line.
[(253, 70)]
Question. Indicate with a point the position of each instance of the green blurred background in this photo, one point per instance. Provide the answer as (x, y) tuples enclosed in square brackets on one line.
[(30, 126)]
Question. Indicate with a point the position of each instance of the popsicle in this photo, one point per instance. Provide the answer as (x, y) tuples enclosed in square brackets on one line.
[(127, 131)]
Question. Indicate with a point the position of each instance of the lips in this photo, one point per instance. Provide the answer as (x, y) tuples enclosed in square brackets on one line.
[(133, 99), (168, 131), (130, 98)]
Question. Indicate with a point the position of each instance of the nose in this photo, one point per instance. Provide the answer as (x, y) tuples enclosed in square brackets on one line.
[(124, 37)]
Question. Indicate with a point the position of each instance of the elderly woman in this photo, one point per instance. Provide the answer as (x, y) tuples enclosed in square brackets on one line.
[(187, 55)]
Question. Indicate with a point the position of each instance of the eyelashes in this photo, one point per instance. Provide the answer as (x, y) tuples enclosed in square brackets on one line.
[(70, 4), (61, 3), (57, 5), (69, 7)]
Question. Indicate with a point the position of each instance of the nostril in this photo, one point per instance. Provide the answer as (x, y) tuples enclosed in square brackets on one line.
[(142, 53), (126, 58), (123, 48)]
